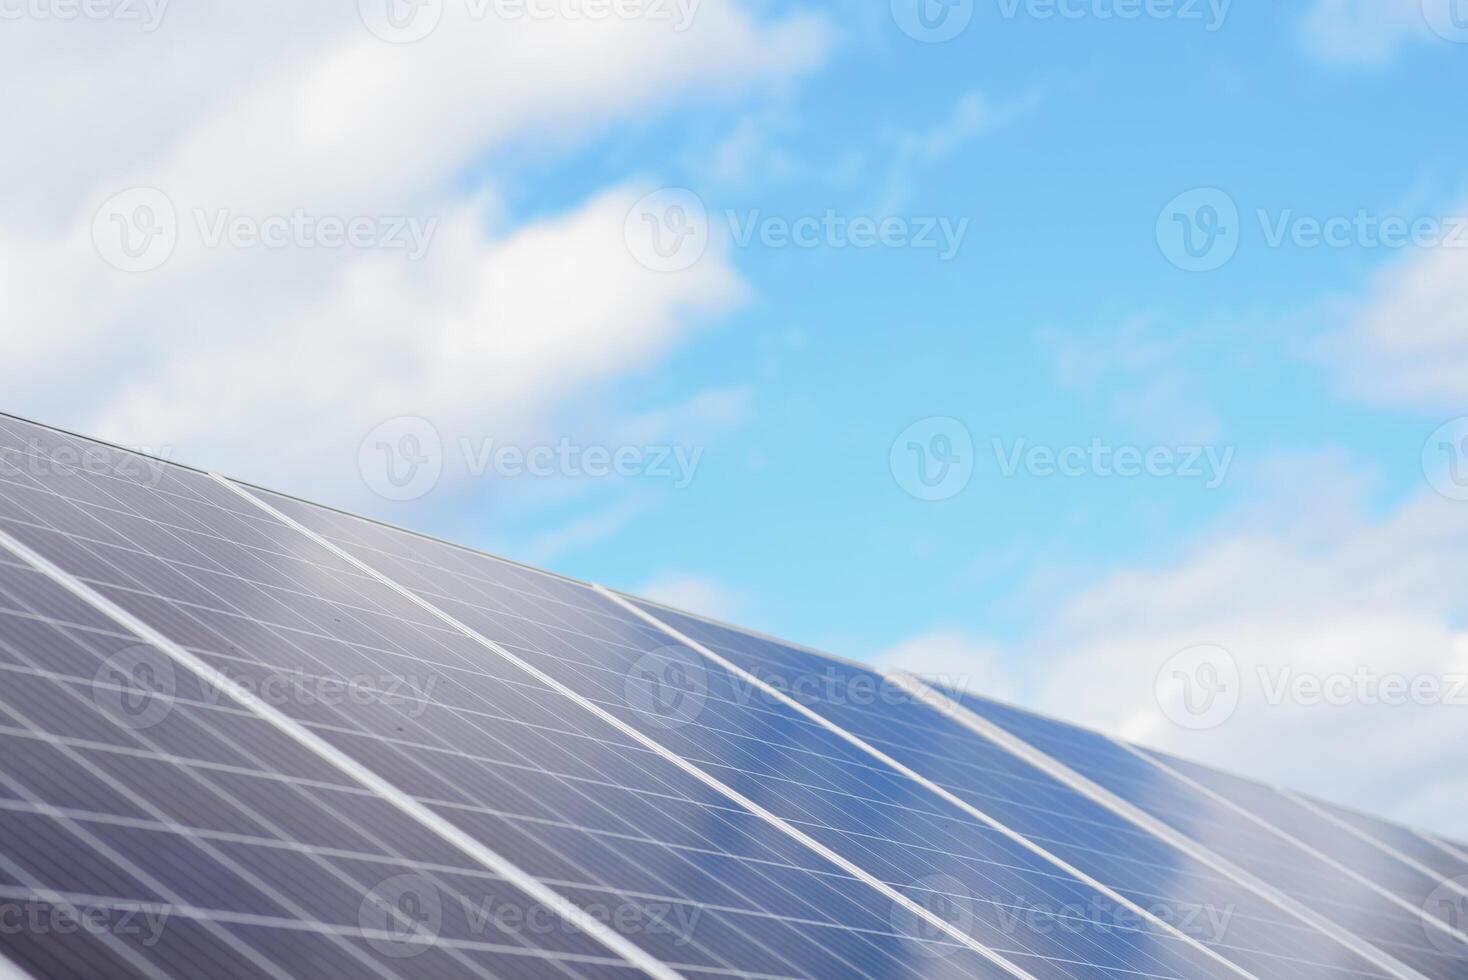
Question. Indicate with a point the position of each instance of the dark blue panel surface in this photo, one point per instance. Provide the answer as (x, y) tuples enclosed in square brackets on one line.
[(139, 838), (633, 840), (1255, 848), (1233, 920), (1006, 897), (1443, 864)]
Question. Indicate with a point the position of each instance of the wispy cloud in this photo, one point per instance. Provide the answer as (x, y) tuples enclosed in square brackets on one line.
[(973, 115), (1359, 605)]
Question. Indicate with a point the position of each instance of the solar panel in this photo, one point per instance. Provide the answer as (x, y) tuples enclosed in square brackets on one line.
[(1239, 924), (507, 762), (243, 735), (1351, 896), (1402, 842), (891, 827)]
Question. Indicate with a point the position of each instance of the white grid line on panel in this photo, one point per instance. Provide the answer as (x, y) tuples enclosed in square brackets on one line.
[(87, 816), (229, 799), (10, 970), (1442, 845), (137, 960), (166, 910), (358, 613), (237, 804), (1391, 896), (1369, 838), (379, 738), (920, 779), (1098, 794), (385, 790), (650, 743)]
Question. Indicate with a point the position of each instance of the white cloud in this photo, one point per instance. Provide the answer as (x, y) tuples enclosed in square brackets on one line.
[(274, 363), (481, 337), (956, 660), (692, 593), (1142, 374), (1380, 596), (1407, 342), (585, 531), (972, 115), (1366, 33)]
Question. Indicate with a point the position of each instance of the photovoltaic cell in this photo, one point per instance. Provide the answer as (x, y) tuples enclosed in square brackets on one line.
[(1237, 923), (129, 787), (176, 810), (704, 886), (1285, 814), (1402, 840), (887, 824), (1257, 849)]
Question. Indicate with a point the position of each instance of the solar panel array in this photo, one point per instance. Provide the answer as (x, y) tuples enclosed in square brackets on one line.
[(242, 735)]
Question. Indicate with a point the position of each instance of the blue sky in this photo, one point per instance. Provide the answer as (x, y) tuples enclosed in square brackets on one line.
[(1313, 527)]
